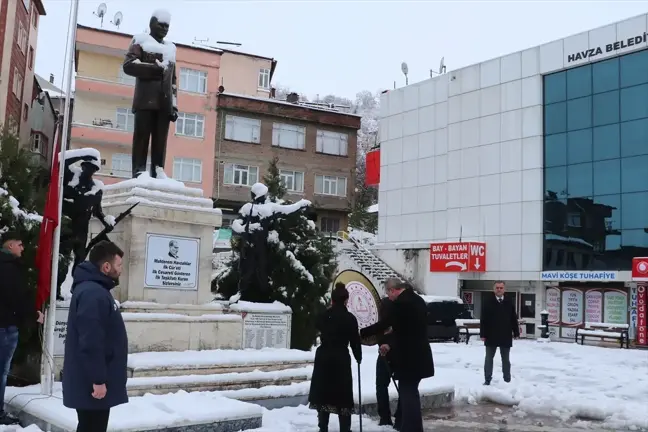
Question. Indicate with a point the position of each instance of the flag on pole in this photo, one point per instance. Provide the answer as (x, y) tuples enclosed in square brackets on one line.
[(46, 237)]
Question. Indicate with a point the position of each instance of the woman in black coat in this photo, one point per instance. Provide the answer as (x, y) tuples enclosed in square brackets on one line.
[(331, 390)]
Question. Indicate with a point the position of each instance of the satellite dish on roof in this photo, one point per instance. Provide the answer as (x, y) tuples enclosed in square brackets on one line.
[(404, 68), (101, 12), (117, 20), (442, 67)]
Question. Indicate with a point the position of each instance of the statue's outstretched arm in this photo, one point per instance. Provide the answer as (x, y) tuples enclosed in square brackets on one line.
[(97, 212), (135, 66)]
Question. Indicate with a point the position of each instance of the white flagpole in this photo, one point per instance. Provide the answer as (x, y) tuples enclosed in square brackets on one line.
[(48, 383)]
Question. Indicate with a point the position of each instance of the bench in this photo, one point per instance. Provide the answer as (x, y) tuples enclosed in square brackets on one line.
[(603, 331), (467, 328)]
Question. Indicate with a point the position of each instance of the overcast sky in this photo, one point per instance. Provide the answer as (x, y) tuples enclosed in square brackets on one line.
[(331, 47)]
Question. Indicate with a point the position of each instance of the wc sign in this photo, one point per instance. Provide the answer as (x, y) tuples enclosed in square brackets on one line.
[(458, 257)]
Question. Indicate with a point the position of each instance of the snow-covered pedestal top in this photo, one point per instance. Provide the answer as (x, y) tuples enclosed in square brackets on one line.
[(160, 192)]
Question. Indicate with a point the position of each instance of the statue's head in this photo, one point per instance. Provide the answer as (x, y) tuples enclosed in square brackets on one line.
[(259, 191), (88, 169), (159, 24)]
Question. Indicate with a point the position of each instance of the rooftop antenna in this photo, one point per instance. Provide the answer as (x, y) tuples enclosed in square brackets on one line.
[(405, 70), (204, 42), (101, 12), (442, 68), (460, 232), (118, 18)]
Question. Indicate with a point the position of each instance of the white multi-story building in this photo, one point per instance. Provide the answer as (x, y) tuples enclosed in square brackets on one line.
[(541, 154)]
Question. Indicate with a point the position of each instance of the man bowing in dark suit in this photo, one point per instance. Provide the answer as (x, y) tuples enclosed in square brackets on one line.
[(411, 356), (498, 326)]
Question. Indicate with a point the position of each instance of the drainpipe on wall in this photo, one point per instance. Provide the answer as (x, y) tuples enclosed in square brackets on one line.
[(219, 139)]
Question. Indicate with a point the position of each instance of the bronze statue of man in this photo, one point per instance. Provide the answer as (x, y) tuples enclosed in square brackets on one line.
[(152, 60)]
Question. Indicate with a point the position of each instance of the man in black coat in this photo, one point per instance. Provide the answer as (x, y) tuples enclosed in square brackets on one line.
[(383, 368), (96, 347), (17, 309), (498, 326), (411, 355)]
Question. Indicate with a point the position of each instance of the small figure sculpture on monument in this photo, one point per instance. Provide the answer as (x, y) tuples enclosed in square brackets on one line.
[(253, 283), (151, 60), (82, 198)]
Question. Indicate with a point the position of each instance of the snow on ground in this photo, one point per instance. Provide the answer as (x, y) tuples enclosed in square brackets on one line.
[(363, 237), (561, 380)]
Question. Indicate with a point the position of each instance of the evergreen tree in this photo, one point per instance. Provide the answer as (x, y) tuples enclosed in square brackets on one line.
[(276, 187), (301, 262), (22, 196)]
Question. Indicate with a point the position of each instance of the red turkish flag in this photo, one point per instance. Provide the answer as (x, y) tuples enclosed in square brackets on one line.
[(46, 237)]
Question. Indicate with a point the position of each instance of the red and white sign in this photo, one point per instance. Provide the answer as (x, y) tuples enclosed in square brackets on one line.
[(468, 297), (642, 319), (458, 257), (640, 268)]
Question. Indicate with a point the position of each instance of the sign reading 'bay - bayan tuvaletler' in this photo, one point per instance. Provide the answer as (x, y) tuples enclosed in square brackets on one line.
[(611, 47)]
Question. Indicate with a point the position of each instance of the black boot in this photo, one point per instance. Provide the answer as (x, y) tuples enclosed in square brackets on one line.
[(323, 421), (345, 423)]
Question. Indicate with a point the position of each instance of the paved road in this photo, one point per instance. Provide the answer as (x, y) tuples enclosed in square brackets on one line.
[(490, 417)]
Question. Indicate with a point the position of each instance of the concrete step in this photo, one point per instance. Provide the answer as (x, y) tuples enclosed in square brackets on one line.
[(214, 362), (217, 382)]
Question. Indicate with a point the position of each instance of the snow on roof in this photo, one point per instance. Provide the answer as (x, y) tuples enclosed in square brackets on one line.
[(372, 208), (162, 15), (288, 103)]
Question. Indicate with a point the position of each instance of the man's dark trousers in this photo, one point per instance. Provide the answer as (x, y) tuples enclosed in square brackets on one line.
[(93, 420), (506, 362), (410, 406), (383, 378)]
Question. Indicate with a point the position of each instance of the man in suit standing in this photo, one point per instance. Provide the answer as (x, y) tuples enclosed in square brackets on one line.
[(411, 356), (498, 326), (383, 368)]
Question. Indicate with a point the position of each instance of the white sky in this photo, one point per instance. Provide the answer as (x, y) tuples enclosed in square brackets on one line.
[(335, 47)]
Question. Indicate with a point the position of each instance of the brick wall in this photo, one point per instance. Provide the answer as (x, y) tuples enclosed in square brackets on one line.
[(18, 60), (4, 5), (307, 160)]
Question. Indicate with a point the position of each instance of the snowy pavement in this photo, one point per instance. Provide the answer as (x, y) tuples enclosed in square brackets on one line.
[(564, 385)]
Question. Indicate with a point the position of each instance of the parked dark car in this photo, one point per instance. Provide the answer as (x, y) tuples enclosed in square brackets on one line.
[(441, 319)]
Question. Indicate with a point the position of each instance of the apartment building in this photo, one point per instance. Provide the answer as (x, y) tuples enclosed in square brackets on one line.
[(43, 123), (19, 20), (316, 149), (103, 118)]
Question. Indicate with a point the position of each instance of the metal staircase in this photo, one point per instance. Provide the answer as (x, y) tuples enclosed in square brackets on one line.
[(368, 262)]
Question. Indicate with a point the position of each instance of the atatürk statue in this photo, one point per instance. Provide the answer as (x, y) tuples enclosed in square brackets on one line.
[(151, 60)]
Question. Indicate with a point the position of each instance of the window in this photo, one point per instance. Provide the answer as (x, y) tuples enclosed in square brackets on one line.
[(288, 136), (192, 125), (330, 225), (240, 175), (37, 144), (25, 112), (17, 84), (579, 146), (192, 80), (121, 165), (242, 129), (607, 177), (579, 82), (30, 59), (556, 150), (125, 119), (606, 108), (329, 185), (188, 170), (605, 76), (607, 142), (35, 18), (293, 180), (633, 102), (26, 3), (579, 180), (634, 69), (579, 113), (333, 143), (123, 78), (264, 78), (634, 136), (555, 117), (574, 219), (22, 38)]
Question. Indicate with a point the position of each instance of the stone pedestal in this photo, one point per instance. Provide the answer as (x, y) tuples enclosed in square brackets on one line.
[(167, 240)]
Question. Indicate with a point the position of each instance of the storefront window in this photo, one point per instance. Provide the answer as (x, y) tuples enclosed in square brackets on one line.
[(596, 165)]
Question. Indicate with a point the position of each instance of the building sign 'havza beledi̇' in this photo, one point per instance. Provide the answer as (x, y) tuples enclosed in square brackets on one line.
[(619, 45)]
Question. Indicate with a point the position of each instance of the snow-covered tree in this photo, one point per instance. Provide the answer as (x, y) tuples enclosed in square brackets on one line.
[(300, 262)]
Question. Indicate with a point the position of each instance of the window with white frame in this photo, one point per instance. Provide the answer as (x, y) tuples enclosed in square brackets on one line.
[(124, 78), (243, 129), (125, 119), (292, 180), (192, 125), (333, 143), (121, 165), (240, 175), (22, 37), (187, 169), (288, 136), (330, 185), (264, 78), (37, 143), (192, 80), (17, 83)]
